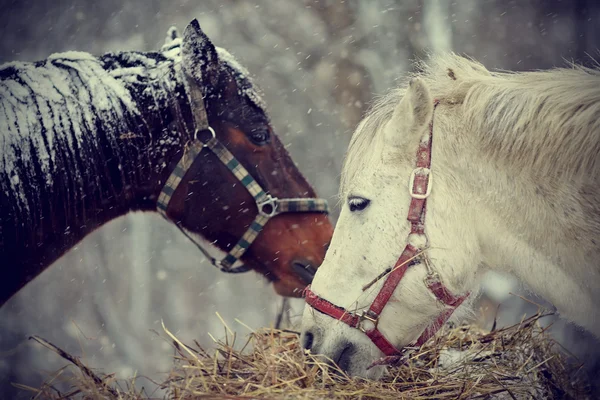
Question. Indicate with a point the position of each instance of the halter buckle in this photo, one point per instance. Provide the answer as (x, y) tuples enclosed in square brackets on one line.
[(268, 202), (197, 135), (431, 278), (367, 315), (218, 263), (411, 183)]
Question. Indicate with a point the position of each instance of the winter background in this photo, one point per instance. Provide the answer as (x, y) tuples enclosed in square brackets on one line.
[(320, 63)]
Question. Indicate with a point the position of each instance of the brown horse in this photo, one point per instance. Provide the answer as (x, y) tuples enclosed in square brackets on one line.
[(85, 140)]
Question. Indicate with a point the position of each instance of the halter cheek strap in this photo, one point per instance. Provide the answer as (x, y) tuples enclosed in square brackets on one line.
[(267, 205), (420, 185)]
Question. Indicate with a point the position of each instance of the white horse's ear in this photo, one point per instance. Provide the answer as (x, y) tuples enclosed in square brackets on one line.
[(411, 115), (199, 57)]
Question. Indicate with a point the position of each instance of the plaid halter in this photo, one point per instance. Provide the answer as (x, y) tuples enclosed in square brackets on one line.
[(268, 206)]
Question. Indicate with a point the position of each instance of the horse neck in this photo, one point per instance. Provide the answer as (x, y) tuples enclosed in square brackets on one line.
[(85, 141), (538, 227), (523, 201)]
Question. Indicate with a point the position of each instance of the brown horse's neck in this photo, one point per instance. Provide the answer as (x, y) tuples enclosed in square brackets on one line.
[(85, 141)]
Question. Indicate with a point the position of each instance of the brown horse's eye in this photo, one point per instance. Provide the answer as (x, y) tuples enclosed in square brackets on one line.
[(260, 136)]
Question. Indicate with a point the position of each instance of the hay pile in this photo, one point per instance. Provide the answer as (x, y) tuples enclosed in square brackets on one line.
[(516, 362)]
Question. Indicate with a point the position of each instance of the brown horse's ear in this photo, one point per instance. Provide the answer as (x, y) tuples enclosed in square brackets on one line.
[(411, 115), (199, 57)]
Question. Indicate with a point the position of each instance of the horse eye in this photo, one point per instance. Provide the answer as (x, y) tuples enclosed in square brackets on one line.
[(260, 136), (358, 203)]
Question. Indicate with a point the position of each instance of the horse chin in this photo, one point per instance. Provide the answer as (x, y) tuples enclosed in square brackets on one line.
[(284, 284), (288, 288), (289, 277)]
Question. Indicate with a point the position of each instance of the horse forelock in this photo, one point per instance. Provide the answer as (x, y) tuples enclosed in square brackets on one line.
[(544, 121)]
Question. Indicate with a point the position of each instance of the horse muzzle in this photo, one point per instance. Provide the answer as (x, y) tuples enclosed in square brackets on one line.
[(351, 357), (305, 270)]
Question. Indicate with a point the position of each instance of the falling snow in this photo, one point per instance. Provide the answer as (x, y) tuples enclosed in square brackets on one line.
[(303, 57)]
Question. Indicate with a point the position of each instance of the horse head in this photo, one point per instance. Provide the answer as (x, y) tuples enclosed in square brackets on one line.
[(461, 172), (216, 205), (370, 297)]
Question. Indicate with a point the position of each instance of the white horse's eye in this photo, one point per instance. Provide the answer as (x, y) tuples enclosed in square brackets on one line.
[(358, 203)]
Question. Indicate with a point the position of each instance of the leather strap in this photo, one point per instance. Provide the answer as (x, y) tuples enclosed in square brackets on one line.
[(393, 279), (194, 93)]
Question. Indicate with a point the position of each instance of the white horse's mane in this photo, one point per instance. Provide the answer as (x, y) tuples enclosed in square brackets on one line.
[(545, 121)]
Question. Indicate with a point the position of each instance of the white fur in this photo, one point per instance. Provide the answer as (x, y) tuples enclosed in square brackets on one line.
[(516, 189)]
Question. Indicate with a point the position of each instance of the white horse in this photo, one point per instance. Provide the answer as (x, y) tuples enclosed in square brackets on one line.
[(514, 186)]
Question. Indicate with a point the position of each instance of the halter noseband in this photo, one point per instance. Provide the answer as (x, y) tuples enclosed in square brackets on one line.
[(268, 206), (420, 185)]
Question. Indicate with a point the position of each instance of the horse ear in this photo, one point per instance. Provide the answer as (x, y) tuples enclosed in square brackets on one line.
[(199, 57), (412, 114)]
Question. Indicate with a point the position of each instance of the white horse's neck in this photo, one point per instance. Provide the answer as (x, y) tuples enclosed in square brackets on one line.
[(539, 228)]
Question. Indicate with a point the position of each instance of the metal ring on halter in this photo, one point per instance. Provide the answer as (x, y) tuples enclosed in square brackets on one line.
[(217, 263), (237, 270), (367, 315), (212, 132), (430, 271), (230, 270), (268, 201)]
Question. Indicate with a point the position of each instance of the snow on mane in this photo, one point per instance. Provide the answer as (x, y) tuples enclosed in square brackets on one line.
[(243, 79), (73, 56), (53, 105)]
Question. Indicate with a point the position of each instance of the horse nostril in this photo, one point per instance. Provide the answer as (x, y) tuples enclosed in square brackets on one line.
[(304, 270), (343, 360), (308, 340)]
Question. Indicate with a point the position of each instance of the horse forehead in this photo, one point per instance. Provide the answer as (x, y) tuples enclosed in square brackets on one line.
[(374, 178), (379, 168)]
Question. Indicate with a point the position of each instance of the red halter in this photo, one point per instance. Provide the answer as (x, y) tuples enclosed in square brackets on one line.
[(420, 188)]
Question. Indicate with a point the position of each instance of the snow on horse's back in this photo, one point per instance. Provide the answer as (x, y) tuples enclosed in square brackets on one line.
[(515, 188), (46, 104)]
